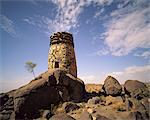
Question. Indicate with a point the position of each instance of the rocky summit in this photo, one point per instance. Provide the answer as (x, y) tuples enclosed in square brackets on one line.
[(48, 89), (57, 95)]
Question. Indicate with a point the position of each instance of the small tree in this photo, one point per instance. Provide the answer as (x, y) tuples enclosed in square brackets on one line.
[(30, 67)]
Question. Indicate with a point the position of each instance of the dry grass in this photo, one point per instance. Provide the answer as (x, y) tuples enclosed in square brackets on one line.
[(93, 88)]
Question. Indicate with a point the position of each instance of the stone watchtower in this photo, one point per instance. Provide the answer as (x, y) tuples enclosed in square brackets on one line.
[(61, 53)]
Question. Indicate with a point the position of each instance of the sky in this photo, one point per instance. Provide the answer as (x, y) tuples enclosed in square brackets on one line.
[(111, 37)]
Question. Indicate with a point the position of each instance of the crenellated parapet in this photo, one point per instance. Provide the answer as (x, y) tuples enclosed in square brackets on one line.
[(61, 37)]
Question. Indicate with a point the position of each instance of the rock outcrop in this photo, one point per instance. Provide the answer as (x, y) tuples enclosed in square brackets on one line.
[(57, 95), (85, 116), (49, 88), (137, 100), (62, 116), (94, 100), (112, 86), (100, 117), (137, 108), (70, 106), (136, 89)]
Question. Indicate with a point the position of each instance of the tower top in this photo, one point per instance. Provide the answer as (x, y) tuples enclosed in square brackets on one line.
[(61, 37)]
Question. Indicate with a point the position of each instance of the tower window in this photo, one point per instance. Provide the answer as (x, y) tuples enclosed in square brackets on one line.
[(56, 64)]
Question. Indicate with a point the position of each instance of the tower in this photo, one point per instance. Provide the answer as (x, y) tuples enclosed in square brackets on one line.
[(61, 53)]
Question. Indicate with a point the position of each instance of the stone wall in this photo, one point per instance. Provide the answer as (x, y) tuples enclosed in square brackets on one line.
[(61, 53)]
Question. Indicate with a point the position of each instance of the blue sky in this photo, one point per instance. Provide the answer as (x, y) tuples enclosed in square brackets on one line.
[(111, 38)]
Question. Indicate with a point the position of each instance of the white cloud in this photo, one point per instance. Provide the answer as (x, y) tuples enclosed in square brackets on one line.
[(96, 79), (140, 73), (41, 22), (7, 25), (98, 13), (124, 3), (69, 11), (145, 54), (67, 16), (133, 73), (29, 21), (100, 2), (128, 29), (88, 78), (102, 52)]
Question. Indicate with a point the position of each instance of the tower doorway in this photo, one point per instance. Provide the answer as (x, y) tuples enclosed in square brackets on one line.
[(56, 64)]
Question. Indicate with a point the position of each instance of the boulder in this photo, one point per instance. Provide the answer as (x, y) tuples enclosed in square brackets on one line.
[(85, 116), (146, 104), (3, 98), (134, 104), (48, 88), (36, 95), (136, 89), (112, 86), (112, 100), (6, 108), (100, 117), (76, 88), (91, 110), (135, 115), (94, 100), (62, 116), (46, 114), (70, 106), (4, 116), (137, 108)]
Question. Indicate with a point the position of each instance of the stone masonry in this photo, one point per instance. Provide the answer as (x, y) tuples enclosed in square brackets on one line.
[(61, 53)]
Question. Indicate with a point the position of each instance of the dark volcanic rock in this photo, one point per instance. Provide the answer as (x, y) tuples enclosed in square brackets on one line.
[(85, 116), (134, 104), (146, 104), (76, 87), (70, 106), (46, 114), (3, 98), (136, 89), (62, 116), (138, 109), (94, 100), (4, 116), (49, 88), (100, 117), (111, 86), (136, 115), (6, 108)]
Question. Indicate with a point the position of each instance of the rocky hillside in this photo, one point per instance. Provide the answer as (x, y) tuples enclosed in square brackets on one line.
[(57, 95)]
